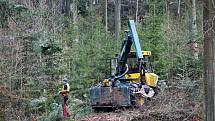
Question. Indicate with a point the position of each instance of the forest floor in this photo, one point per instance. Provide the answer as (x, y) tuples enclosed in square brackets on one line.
[(171, 106)]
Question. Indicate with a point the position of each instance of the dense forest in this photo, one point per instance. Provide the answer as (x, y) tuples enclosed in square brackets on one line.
[(43, 40)]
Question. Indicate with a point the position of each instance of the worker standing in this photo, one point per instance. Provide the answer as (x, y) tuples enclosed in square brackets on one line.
[(65, 93)]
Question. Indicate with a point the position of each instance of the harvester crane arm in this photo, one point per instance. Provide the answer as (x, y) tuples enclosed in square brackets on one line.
[(135, 39), (132, 38)]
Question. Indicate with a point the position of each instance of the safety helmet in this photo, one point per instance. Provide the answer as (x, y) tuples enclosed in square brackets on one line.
[(65, 80)]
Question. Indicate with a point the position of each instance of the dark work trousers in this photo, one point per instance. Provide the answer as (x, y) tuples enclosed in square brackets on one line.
[(65, 98)]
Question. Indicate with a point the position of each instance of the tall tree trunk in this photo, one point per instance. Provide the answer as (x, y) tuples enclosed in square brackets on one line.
[(106, 24), (209, 64), (117, 19), (74, 10), (168, 13), (154, 12), (65, 4), (136, 16), (194, 31), (179, 7)]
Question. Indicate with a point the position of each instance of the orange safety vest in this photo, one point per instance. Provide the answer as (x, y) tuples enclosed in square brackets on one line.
[(65, 90)]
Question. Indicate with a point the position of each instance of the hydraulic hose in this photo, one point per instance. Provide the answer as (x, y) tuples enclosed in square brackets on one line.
[(124, 72), (113, 79)]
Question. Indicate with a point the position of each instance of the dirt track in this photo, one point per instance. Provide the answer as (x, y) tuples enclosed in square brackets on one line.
[(140, 115)]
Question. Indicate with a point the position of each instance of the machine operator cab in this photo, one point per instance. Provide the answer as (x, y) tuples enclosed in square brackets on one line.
[(133, 74), (133, 64)]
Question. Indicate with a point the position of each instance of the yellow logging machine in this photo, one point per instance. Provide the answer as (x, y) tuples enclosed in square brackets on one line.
[(132, 78)]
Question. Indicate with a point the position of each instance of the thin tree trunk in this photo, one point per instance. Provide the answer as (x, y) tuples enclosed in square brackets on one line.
[(117, 19), (53, 22), (137, 8), (106, 22), (179, 8), (154, 9), (168, 12), (74, 19), (208, 14), (194, 31), (74, 9)]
